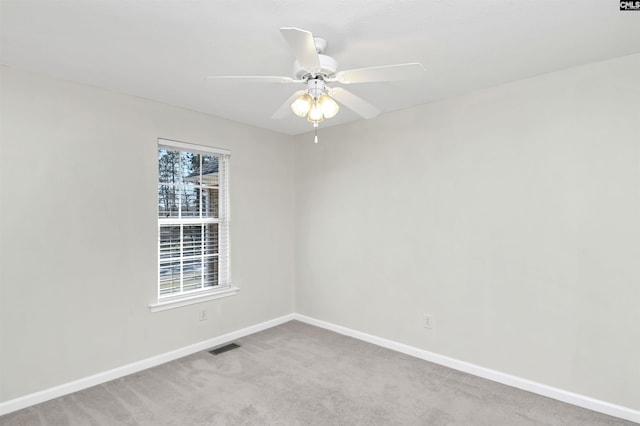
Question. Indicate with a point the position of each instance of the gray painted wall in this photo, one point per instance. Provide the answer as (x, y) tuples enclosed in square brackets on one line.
[(511, 214), (79, 232)]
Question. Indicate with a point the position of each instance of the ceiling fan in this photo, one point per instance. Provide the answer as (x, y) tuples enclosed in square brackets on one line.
[(316, 70)]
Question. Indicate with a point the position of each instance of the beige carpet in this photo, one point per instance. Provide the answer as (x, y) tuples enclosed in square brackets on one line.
[(297, 374)]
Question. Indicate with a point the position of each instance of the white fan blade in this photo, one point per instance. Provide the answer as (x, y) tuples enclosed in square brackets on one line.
[(412, 71), (303, 47), (285, 108), (353, 102), (256, 78)]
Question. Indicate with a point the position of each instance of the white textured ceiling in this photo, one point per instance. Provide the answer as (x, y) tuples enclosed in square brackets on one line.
[(163, 50)]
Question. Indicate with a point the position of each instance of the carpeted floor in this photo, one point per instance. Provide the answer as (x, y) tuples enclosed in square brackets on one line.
[(297, 374)]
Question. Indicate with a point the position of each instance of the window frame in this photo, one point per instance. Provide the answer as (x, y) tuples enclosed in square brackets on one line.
[(224, 287)]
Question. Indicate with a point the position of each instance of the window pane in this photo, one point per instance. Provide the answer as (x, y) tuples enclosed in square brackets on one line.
[(190, 173), (192, 240), (190, 198), (169, 242), (168, 200), (192, 274), (210, 271), (215, 203), (211, 239), (210, 203), (168, 166), (210, 170), (169, 277)]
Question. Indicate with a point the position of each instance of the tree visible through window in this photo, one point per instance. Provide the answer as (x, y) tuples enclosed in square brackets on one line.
[(192, 220)]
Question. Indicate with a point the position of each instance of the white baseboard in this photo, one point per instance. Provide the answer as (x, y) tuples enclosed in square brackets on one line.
[(486, 373), (96, 379), (496, 376)]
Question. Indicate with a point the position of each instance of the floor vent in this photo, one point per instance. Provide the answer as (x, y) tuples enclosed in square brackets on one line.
[(224, 348)]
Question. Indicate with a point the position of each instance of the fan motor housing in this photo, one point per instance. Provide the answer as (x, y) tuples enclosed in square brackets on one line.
[(328, 67)]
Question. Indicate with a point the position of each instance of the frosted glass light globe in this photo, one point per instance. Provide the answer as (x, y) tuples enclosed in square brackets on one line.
[(328, 106), (302, 105), (315, 113)]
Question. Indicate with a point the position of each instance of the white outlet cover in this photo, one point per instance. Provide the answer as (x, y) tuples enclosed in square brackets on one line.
[(427, 321)]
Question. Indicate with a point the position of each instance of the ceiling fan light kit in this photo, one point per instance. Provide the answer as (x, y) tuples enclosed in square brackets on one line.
[(315, 103), (315, 70)]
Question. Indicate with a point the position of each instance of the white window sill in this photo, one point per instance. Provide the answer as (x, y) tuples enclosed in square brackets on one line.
[(191, 299)]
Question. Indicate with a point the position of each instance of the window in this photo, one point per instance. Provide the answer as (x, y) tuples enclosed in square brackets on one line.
[(193, 224)]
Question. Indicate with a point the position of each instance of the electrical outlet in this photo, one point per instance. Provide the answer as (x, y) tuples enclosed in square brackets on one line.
[(202, 315), (427, 321)]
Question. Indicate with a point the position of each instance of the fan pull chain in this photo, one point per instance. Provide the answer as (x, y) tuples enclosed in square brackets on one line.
[(315, 127)]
